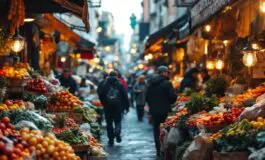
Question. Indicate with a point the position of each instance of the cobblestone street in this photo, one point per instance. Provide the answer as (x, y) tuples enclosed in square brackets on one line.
[(137, 140)]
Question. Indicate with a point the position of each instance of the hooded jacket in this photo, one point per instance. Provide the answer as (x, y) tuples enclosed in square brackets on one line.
[(103, 90), (160, 95)]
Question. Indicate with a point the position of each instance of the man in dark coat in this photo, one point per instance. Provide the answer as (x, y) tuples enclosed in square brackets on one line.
[(160, 96), (190, 80), (68, 81), (114, 98)]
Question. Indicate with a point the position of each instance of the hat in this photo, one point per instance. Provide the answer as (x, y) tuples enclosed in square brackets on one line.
[(113, 74), (162, 69)]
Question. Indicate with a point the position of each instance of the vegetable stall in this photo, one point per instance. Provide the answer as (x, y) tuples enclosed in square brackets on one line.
[(209, 125), (39, 119)]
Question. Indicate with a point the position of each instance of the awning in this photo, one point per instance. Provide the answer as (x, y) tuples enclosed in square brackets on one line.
[(156, 39), (77, 7), (49, 23), (85, 48)]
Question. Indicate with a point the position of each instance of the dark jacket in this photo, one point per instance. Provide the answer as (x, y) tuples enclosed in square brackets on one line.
[(103, 90), (189, 81), (160, 95), (69, 83)]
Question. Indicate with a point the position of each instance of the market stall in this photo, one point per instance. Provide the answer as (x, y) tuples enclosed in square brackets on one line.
[(45, 120)]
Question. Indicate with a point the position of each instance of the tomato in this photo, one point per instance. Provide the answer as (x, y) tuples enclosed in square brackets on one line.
[(2, 126), (5, 120)]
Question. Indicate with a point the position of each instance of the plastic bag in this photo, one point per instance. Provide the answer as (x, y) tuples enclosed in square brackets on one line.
[(173, 138), (201, 148), (26, 124), (255, 111), (163, 140), (258, 155), (260, 98), (85, 128)]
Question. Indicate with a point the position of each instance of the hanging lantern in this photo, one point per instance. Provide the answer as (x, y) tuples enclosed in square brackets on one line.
[(210, 65), (18, 43), (219, 64), (250, 59), (262, 7)]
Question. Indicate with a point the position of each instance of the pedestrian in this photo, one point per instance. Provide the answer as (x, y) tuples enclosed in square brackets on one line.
[(190, 80), (122, 80), (84, 90), (160, 96), (68, 81), (140, 89), (114, 98)]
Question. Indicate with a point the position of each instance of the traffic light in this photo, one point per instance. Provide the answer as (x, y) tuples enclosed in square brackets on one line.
[(133, 21)]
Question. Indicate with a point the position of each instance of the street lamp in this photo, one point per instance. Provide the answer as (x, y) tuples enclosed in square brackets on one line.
[(219, 65), (210, 65), (262, 7), (18, 43), (207, 28), (99, 29)]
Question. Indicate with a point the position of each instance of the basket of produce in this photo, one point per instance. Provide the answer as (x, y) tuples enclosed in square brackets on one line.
[(76, 116), (80, 148)]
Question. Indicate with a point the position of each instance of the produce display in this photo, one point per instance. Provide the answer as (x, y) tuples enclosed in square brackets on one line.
[(207, 119), (47, 146), (171, 121), (251, 94), (12, 105), (28, 118), (36, 85), (64, 124), (63, 101), (96, 147), (13, 72), (198, 103), (12, 146)]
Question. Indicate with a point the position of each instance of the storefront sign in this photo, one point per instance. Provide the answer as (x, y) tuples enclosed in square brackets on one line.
[(185, 3), (259, 68), (202, 10)]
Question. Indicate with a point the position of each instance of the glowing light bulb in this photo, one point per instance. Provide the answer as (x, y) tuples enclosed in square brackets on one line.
[(208, 28)]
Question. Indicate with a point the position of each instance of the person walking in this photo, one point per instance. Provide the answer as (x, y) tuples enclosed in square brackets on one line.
[(160, 96), (140, 89), (68, 81), (190, 80), (114, 98)]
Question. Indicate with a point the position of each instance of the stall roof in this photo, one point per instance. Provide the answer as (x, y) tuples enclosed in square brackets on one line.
[(167, 30), (77, 7)]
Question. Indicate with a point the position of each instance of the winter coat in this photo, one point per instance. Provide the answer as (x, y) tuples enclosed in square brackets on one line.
[(189, 81), (103, 91), (139, 90), (69, 83), (160, 95)]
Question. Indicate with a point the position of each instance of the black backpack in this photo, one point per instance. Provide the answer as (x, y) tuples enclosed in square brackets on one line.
[(113, 95)]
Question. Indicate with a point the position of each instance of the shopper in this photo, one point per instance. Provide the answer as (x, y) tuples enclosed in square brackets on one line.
[(115, 101), (140, 89), (160, 96), (190, 80), (68, 81), (122, 80)]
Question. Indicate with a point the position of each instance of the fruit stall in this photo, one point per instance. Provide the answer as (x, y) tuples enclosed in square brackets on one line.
[(215, 125), (39, 119)]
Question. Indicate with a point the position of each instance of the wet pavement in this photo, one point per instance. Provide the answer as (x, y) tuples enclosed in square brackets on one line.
[(137, 140)]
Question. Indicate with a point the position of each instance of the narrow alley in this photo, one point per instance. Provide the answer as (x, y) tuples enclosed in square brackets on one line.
[(137, 140)]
